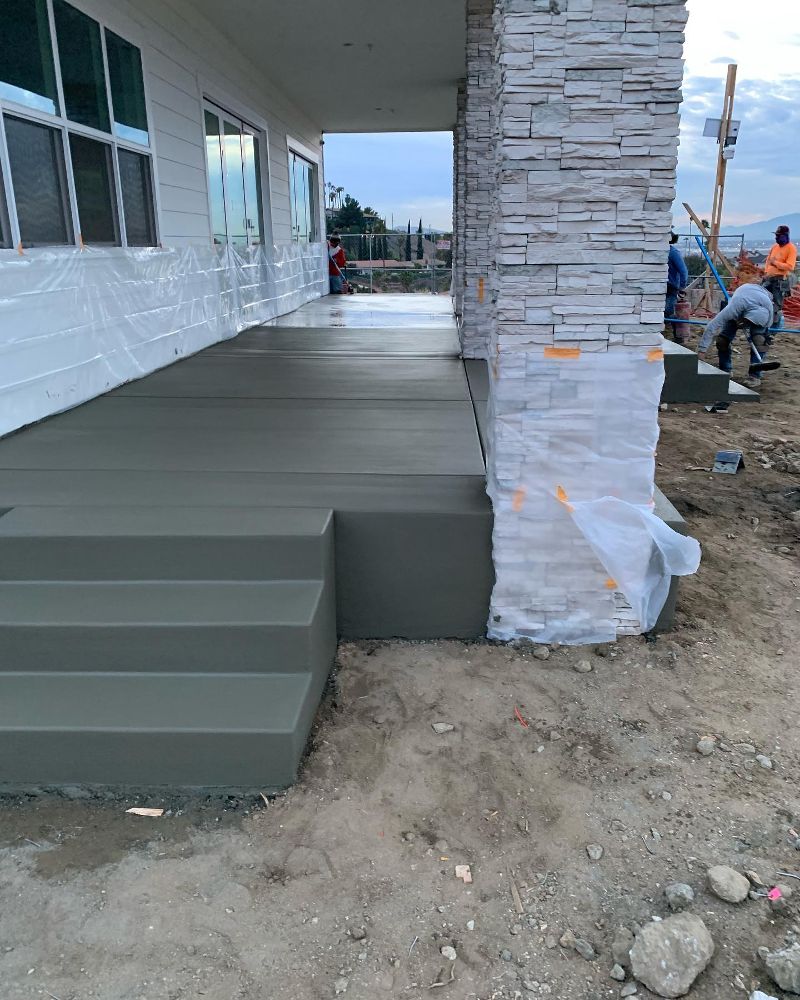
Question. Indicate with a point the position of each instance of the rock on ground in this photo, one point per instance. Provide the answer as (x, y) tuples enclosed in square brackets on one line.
[(668, 955), (728, 884), (679, 895), (784, 967), (621, 947)]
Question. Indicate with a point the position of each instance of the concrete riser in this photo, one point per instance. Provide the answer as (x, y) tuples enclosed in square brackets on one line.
[(160, 558)]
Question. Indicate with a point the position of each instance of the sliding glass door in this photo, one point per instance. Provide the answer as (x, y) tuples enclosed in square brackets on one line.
[(302, 195), (234, 180)]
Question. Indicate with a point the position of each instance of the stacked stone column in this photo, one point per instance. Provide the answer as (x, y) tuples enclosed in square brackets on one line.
[(459, 206), (585, 116), (478, 178)]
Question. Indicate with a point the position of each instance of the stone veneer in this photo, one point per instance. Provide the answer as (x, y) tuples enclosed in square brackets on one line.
[(585, 131), (478, 178)]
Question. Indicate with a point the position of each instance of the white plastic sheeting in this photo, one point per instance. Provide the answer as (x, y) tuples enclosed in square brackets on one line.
[(75, 323), (571, 471)]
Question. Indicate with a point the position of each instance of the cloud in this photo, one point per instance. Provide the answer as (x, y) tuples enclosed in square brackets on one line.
[(761, 180)]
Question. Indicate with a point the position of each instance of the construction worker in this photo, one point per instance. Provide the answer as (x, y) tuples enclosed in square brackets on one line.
[(750, 307), (779, 265), (677, 280), (336, 264)]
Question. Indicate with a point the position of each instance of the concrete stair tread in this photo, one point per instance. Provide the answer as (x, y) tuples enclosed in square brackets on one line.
[(705, 369), (215, 521), (159, 603), (738, 393), (139, 702)]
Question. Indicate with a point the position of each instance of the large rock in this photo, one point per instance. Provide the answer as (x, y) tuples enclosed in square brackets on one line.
[(668, 955), (784, 967), (728, 884)]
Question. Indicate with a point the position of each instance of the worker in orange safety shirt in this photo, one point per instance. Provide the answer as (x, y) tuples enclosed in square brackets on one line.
[(779, 265)]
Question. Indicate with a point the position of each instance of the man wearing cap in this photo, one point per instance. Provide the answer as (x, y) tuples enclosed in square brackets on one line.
[(677, 280), (780, 263), (750, 307)]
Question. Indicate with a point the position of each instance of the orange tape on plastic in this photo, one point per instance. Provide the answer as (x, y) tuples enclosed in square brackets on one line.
[(561, 496), (655, 355), (518, 500)]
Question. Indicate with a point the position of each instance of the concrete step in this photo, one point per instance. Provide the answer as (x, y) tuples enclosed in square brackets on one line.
[(741, 394), (206, 730), (165, 543), (690, 380), (285, 626)]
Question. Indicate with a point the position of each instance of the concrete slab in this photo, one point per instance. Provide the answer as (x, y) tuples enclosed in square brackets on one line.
[(430, 342), (329, 447), (409, 310), (305, 378), (388, 441)]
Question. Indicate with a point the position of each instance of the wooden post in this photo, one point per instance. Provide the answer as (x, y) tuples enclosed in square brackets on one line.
[(722, 163)]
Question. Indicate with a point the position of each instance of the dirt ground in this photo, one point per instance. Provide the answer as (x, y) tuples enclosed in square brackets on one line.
[(347, 882)]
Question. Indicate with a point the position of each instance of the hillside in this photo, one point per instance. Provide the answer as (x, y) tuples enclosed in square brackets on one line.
[(765, 229)]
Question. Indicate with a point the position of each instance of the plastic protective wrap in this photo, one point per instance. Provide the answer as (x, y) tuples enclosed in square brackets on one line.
[(75, 323), (571, 472)]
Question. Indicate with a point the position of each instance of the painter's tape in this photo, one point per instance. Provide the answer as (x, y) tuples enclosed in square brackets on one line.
[(561, 496), (562, 352)]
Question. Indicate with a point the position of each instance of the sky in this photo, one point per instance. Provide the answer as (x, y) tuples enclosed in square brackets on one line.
[(409, 175)]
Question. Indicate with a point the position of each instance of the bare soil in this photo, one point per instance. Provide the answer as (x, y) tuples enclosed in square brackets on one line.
[(232, 900)]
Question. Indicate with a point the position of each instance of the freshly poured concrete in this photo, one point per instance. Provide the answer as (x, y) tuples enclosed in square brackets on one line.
[(177, 557), (373, 311), (369, 416)]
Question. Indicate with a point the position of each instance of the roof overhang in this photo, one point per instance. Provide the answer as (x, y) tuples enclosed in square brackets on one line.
[(354, 65)]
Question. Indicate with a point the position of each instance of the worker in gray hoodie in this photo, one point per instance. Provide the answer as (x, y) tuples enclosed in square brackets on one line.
[(750, 307)]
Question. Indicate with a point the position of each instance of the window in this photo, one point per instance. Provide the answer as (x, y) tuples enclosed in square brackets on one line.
[(27, 73), (83, 77), (137, 198), (75, 129), (302, 194), (127, 89), (234, 180), (36, 155), (93, 171), (216, 186), (5, 226)]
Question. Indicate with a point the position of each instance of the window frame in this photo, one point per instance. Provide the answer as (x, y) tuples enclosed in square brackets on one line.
[(299, 149), (246, 123), (66, 127)]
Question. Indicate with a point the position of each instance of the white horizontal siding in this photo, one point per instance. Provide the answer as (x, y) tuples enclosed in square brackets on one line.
[(186, 60)]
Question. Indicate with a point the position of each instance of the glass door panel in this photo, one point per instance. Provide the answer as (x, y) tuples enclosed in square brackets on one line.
[(252, 187), (234, 183), (216, 185)]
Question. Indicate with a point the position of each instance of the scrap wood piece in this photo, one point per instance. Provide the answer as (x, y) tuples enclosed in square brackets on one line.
[(516, 897), (143, 811), (464, 872), (445, 982)]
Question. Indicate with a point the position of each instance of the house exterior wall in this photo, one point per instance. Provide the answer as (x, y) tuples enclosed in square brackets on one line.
[(586, 121), (76, 322)]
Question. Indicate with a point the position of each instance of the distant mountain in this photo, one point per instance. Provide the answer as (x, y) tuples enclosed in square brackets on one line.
[(766, 230)]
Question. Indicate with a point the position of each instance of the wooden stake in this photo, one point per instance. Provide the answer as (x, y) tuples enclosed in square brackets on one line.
[(722, 163)]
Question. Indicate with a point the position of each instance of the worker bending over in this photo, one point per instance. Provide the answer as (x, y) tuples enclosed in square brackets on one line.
[(780, 263), (750, 307)]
